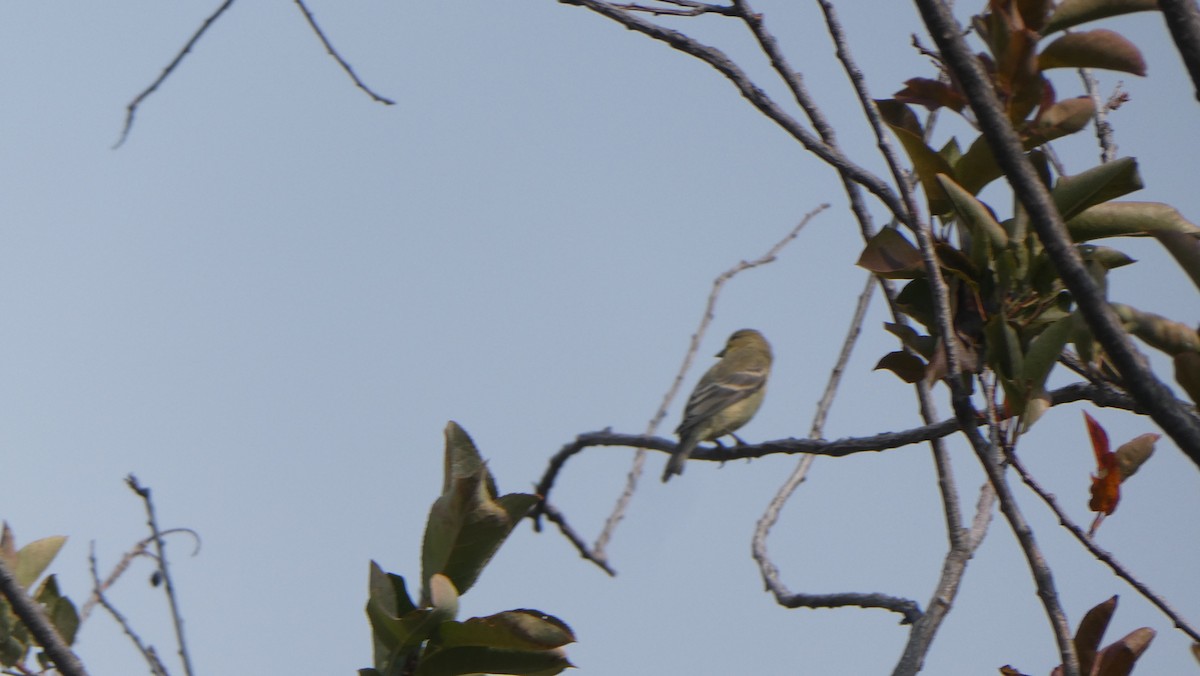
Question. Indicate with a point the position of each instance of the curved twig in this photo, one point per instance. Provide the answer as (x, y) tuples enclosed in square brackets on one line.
[(312, 21)]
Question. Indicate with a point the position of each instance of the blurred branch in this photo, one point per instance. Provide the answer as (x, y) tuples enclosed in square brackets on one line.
[(770, 573), (961, 62), (33, 616), (1101, 554), (1183, 20), (681, 8), (98, 587), (312, 21), (163, 569), (131, 109), (1104, 130), (639, 459), (1159, 402), (139, 549)]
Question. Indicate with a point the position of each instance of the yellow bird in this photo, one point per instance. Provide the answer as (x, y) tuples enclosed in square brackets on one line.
[(726, 397)]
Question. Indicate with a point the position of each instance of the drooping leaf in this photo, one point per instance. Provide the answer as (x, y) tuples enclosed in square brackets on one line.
[(461, 660), (888, 254), (518, 629), (909, 368), (1093, 49), (1159, 332), (1119, 219), (1106, 482), (932, 94), (1071, 13)]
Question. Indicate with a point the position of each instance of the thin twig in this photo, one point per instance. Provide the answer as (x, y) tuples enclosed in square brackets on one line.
[(312, 21), (1104, 129), (631, 479), (156, 666), (164, 569), (139, 549), (556, 517), (758, 545), (752, 92), (1100, 554), (33, 616), (683, 9), (132, 108)]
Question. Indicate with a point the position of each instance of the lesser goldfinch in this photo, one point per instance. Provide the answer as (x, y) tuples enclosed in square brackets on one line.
[(726, 397)]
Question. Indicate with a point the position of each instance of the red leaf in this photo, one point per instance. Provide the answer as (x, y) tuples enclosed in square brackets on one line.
[(1106, 482)]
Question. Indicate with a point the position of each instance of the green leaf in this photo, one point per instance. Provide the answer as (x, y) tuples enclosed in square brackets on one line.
[(1093, 49), (974, 214), (1117, 219), (59, 609), (1075, 12), (467, 524), (34, 558), (483, 660), (1073, 194), (1157, 331), (926, 162), (390, 592), (889, 255), (520, 629), (1044, 351)]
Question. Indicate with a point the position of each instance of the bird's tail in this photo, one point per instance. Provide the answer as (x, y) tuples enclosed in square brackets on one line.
[(681, 455)]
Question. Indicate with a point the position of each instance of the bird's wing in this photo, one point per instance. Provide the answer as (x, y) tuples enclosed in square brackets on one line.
[(712, 397)]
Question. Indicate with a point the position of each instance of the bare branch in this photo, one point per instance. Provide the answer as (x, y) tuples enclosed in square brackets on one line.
[(752, 92), (1101, 554), (163, 569), (1183, 20), (132, 108), (758, 545), (639, 460), (1104, 129), (556, 517), (139, 549), (33, 616), (98, 587), (682, 8), (312, 21)]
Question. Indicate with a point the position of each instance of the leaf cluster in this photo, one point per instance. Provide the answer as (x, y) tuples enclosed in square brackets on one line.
[(466, 526), (1011, 311), (28, 564)]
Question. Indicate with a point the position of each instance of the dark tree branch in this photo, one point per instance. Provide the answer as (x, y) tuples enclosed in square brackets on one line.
[(1100, 396), (753, 93), (132, 108), (34, 618), (312, 21), (1145, 387), (1183, 20)]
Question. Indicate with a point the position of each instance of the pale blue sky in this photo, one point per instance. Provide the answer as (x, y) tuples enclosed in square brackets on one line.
[(269, 302)]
